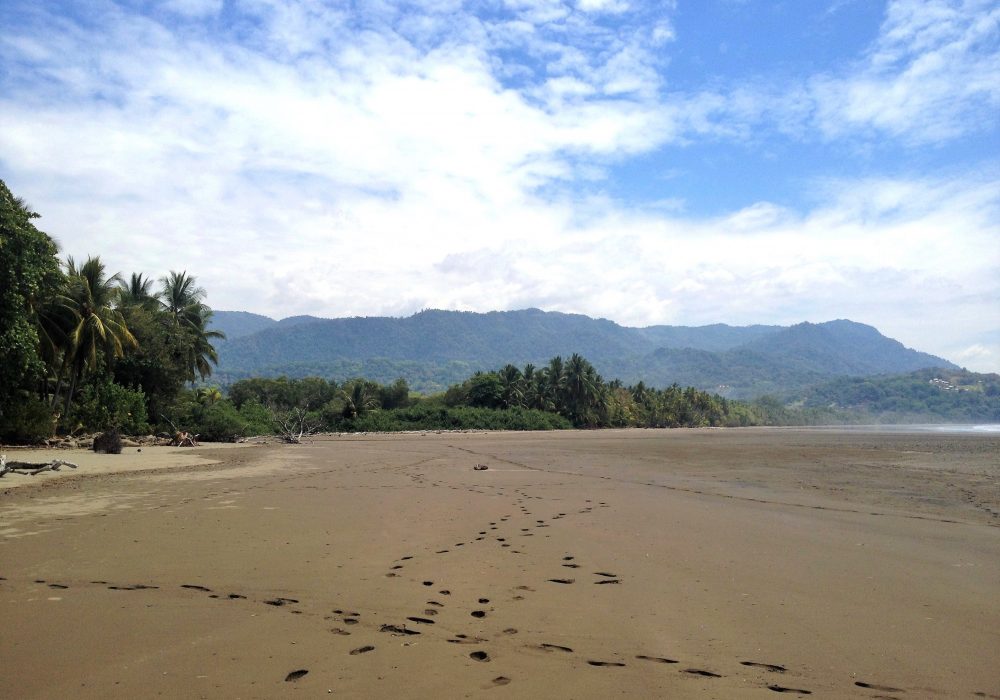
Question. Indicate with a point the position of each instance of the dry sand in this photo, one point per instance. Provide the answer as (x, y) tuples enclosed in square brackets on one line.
[(686, 563)]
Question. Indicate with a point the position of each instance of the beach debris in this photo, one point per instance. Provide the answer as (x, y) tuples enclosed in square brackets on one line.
[(30, 468), (292, 425), (480, 468), (109, 442), (182, 438)]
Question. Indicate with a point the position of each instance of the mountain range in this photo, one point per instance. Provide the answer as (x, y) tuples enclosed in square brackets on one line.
[(434, 349)]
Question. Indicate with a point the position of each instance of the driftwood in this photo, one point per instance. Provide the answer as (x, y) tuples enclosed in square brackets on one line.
[(31, 468), (184, 439), (480, 468), (292, 425)]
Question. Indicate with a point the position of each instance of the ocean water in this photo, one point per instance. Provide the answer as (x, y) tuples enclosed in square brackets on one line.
[(983, 428), (945, 428)]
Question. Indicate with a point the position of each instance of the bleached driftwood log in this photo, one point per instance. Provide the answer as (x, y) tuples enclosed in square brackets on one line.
[(292, 425), (32, 468)]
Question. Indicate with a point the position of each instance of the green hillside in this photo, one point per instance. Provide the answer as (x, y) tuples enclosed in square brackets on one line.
[(434, 349), (931, 395)]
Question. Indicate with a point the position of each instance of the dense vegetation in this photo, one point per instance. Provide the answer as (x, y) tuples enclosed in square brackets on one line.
[(926, 395), (562, 394)]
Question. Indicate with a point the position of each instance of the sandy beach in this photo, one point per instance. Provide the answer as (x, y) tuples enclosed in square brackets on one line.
[(641, 563)]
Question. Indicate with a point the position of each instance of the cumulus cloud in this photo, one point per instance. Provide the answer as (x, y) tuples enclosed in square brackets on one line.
[(933, 73), (321, 161)]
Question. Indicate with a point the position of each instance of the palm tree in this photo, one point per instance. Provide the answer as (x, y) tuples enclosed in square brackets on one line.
[(202, 352), (181, 299), (584, 391), (511, 386), (137, 291), (100, 328), (358, 397), (555, 383), (208, 395)]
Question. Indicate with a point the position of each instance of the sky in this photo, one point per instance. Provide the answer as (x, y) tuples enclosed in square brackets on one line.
[(674, 162)]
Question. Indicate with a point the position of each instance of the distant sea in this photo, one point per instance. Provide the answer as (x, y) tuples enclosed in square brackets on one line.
[(952, 429), (983, 428)]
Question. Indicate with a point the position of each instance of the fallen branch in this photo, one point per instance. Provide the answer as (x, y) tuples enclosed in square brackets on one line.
[(292, 425), (30, 468)]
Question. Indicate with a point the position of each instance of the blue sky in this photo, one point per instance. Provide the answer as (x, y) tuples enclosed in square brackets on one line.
[(649, 162)]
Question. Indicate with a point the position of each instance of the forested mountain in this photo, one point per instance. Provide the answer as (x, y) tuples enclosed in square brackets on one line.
[(434, 349), (930, 394), (236, 324)]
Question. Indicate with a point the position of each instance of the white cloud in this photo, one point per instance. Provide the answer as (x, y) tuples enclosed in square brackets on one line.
[(341, 165), (933, 73)]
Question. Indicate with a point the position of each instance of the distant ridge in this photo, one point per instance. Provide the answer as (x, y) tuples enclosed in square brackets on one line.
[(435, 348)]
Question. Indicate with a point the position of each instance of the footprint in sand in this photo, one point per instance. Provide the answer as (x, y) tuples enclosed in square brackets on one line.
[(362, 650), (195, 587), (884, 688), (280, 602), (562, 580), (295, 675), (616, 664), (782, 689), (555, 647), (701, 672), (479, 656), (773, 668), (421, 620), (501, 680), (657, 659)]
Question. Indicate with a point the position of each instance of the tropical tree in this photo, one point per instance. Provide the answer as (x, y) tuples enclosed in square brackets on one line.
[(511, 386), (101, 333), (182, 300), (137, 291), (583, 391), (31, 273), (208, 395), (358, 397)]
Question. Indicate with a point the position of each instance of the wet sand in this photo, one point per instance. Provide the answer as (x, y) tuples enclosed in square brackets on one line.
[(681, 564)]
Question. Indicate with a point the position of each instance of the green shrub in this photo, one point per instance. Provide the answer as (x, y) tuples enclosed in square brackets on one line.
[(219, 422), (27, 421), (103, 405), (258, 419), (438, 417)]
